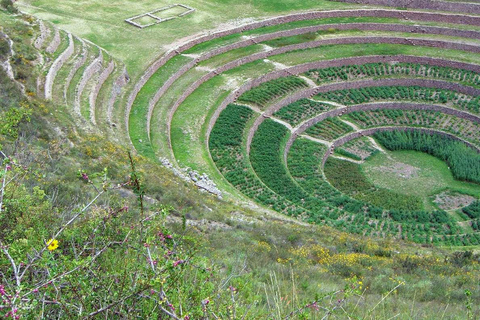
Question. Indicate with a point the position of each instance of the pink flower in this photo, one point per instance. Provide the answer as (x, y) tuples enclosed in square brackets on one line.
[(8, 167), (186, 318), (176, 263), (84, 176)]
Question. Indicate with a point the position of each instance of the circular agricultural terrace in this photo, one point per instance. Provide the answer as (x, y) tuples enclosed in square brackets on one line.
[(306, 113)]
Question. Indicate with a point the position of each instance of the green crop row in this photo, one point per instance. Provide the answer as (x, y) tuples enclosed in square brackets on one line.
[(329, 129), (301, 110), (228, 154), (429, 119), (402, 93), (382, 69), (270, 90)]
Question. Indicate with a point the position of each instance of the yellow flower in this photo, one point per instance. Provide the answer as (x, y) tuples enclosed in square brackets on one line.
[(52, 244)]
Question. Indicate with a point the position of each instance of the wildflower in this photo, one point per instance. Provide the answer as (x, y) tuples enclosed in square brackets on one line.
[(8, 167), (176, 263), (187, 317), (84, 176), (52, 244)]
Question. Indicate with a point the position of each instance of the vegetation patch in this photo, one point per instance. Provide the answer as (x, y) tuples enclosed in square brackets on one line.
[(270, 90), (463, 161)]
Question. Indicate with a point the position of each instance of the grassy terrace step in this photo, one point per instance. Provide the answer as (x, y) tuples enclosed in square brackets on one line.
[(98, 111), (139, 112), (62, 79), (467, 129), (64, 54), (329, 52), (108, 113), (194, 111), (87, 84), (91, 54)]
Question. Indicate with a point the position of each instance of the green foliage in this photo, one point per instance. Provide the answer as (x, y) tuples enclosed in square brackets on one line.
[(329, 129), (473, 210), (401, 93), (9, 6), (382, 70), (228, 154), (270, 90), (463, 161), (301, 110), (12, 118), (347, 177)]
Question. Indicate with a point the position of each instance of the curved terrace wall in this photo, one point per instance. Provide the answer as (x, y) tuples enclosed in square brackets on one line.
[(361, 26), (57, 64), (308, 45), (385, 13), (94, 94)]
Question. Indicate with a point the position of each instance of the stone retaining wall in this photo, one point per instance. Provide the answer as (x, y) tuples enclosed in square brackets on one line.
[(53, 46), (307, 45), (93, 68), (56, 65), (94, 94), (385, 13), (78, 64), (118, 85), (44, 33)]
